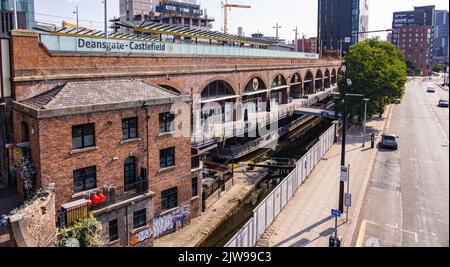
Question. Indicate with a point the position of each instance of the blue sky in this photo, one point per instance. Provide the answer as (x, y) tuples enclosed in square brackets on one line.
[(263, 15)]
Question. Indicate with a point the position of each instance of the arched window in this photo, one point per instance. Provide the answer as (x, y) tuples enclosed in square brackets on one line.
[(130, 173), (217, 89), (279, 81), (255, 84)]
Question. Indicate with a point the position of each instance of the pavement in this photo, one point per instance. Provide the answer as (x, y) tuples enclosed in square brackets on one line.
[(407, 203), (193, 234), (306, 220)]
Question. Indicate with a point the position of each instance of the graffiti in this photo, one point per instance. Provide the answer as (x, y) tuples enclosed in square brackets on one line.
[(167, 223), (140, 237), (162, 225)]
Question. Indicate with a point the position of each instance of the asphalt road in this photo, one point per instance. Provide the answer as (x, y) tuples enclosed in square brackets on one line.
[(407, 202)]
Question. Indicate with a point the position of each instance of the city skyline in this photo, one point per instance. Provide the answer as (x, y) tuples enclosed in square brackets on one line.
[(380, 15)]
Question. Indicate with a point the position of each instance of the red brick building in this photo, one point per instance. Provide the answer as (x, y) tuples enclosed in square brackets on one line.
[(307, 45), (77, 110), (111, 136), (415, 41)]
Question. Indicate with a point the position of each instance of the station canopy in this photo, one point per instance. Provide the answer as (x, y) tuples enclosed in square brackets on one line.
[(178, 30), (156, 29), (84, 32)]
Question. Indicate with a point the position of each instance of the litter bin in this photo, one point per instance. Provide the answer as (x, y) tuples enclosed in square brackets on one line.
[(372, 140)]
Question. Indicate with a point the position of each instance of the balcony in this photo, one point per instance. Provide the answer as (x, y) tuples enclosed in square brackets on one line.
[(117, 195), (70, 212)]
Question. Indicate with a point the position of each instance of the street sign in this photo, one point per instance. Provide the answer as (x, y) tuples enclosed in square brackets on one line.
[(336, 213), (344, 174), (347, 40), (348, 200)]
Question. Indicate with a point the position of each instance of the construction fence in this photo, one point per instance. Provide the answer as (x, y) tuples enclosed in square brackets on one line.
[(265, 214)]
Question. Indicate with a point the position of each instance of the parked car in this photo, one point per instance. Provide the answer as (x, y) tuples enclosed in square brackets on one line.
[(389, 141), (443, 103), (431, 89)]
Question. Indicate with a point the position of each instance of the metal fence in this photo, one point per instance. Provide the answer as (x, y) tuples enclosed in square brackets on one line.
[(270, 208)]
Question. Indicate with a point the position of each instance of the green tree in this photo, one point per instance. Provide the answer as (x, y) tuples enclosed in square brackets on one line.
[(410, 66), (84, 233), (437, 68), (378, 71)]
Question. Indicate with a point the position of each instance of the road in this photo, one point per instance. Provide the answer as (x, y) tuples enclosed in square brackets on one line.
[(407, 202)]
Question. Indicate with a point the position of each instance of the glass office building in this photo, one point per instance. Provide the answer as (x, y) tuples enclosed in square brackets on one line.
[(25, 7), (338, 19)]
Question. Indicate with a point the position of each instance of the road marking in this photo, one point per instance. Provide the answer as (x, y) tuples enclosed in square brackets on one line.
[(388, 123), (364, 223)]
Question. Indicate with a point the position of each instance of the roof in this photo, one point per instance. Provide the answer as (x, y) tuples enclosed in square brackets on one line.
[(155, 28), (94, 93), (178, 30)]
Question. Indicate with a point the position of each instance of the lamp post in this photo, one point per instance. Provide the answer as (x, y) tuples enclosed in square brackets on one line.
[(296, 38), (78, 20), (277, 27), (106, 18), (365, 120)]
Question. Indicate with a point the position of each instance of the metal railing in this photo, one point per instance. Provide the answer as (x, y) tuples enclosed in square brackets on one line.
[(119, 194), (217, 130), (265, 140)]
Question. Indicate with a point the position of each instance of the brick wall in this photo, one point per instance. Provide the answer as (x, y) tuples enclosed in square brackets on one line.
[(51, 148), (34, 226)]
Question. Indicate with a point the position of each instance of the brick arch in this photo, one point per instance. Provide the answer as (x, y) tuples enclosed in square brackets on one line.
[(251, 77), (175, 82), (296, 91), (327, 78), (309, 86), (169, 87), (208, 81), (275, 77)]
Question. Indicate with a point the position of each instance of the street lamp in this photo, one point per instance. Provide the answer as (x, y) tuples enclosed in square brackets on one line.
[(78, 21)]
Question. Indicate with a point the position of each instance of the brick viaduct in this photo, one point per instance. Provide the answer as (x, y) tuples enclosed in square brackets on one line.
[(34, 70)]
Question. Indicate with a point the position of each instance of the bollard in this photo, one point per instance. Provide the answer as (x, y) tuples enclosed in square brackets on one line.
[(372, 140)]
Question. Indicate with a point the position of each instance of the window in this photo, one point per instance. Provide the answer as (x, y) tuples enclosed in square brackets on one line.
[(165, 122), (85, 179), (169, 199), (113, 231), (83, 136), (129, 128), (139, 219), (194, 187), (130, 173), (167, 157), (25, 132)]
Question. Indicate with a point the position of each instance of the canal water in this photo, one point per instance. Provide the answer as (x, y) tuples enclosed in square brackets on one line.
[(292, 146)]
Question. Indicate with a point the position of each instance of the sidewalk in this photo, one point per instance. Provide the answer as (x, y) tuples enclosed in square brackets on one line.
[(200, 227), (307, 220)]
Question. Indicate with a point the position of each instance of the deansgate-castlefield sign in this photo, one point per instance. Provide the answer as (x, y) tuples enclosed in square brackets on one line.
[(86, 45)]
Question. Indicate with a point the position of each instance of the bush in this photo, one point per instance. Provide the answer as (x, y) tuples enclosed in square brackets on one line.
[(86, 231)]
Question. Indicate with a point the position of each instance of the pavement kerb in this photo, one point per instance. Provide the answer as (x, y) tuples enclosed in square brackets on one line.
[(355, 218), (443, 88)]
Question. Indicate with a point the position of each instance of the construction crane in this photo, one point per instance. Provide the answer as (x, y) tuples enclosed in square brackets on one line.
[(227, 7)]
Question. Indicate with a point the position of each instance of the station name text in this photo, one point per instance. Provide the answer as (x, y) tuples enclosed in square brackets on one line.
[(114, 46)]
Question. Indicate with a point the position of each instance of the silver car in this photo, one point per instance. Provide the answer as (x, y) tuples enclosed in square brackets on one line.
[(431, 89)]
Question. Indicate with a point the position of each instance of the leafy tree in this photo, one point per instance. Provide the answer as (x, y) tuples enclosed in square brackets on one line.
[(410, 66), (84, 233), (437, 68), (378, 71)]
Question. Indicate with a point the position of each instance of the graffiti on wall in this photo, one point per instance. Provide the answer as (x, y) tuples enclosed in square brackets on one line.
[(168, 222)]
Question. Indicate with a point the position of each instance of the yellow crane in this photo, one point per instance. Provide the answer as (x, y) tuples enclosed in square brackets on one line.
[(226, 6)]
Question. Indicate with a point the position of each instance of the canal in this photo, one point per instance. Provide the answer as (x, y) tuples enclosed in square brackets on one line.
[(292, 146)]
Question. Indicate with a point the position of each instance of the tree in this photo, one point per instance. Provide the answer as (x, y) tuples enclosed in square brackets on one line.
[(411, 68), (437, 68), (378, 71)]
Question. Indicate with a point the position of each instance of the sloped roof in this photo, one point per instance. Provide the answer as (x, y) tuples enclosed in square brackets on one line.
[(92, 93)]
